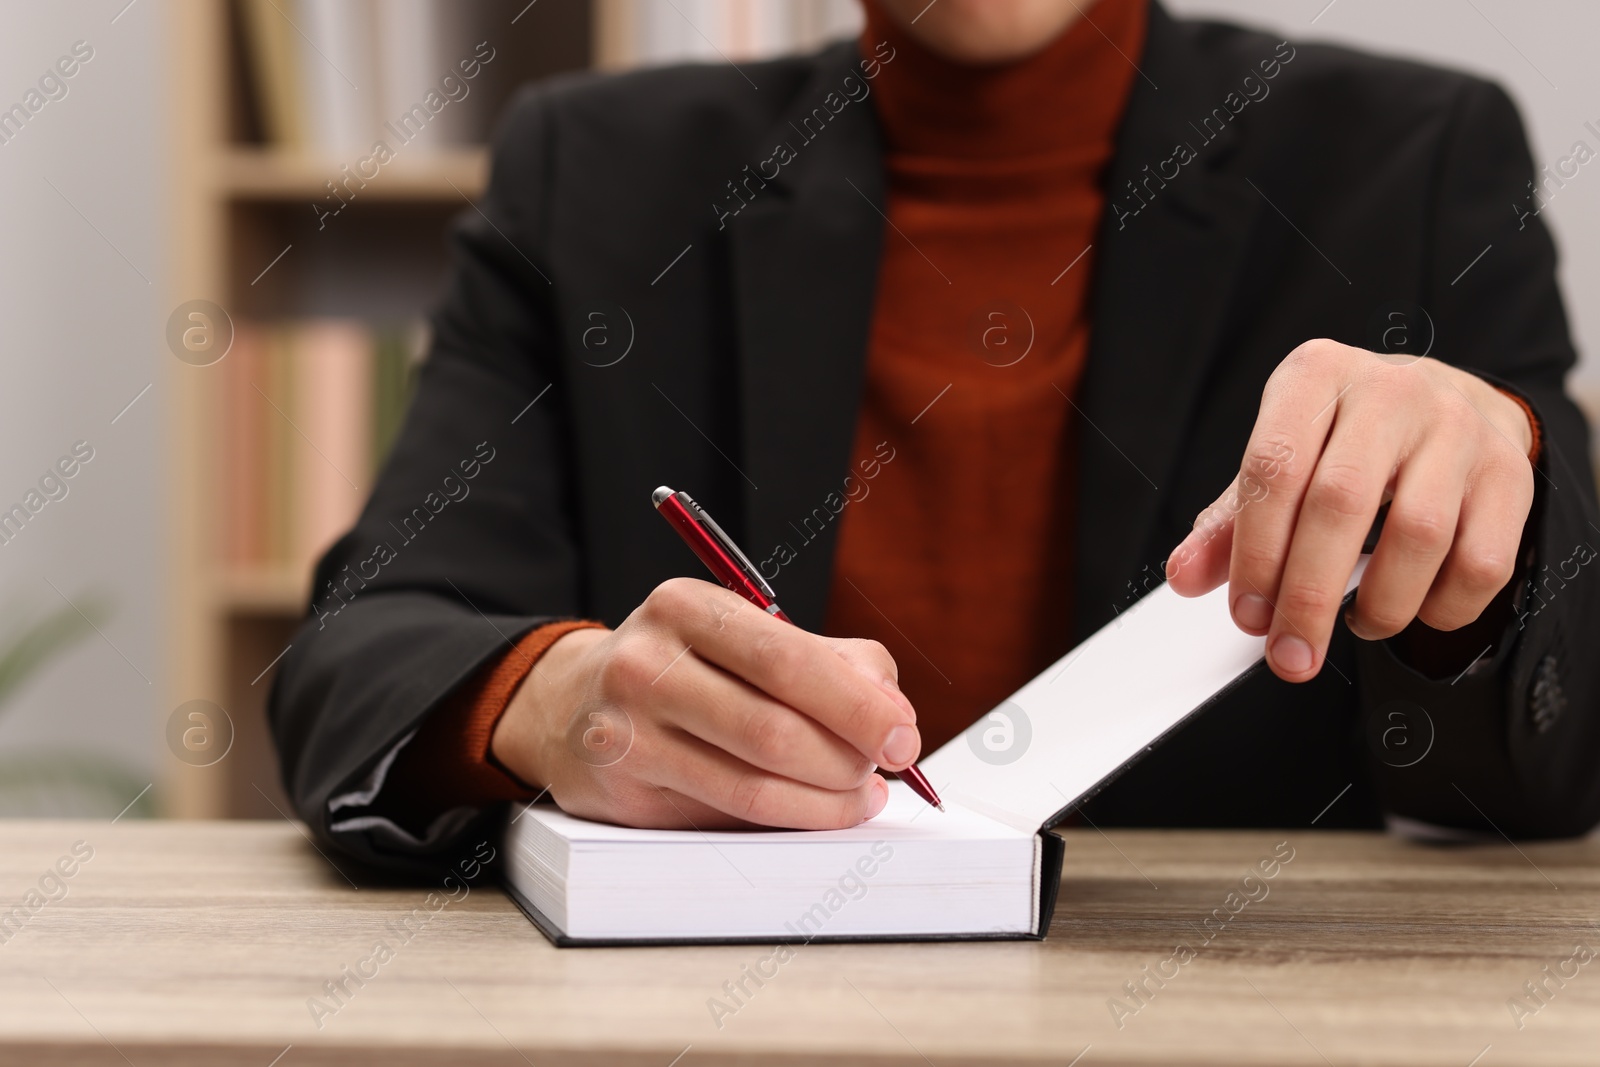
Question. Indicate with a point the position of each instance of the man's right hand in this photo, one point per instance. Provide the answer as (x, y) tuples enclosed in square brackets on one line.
[(701, 710)]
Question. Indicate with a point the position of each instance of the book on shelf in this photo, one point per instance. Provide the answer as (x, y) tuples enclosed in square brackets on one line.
[(716, 30), (985, 868), (309, 409), (333, 77), (336, 64), (329, 76), (333, 392), (272, 46)]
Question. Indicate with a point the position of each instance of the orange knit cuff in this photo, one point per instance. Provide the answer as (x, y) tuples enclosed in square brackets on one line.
[(1533, 421), (448, 763)]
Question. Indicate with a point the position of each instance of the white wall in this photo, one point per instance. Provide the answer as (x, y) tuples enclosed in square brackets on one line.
[(1541, 51), (80, 336)]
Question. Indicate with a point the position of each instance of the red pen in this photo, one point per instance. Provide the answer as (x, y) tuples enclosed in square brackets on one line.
[(734, 570)]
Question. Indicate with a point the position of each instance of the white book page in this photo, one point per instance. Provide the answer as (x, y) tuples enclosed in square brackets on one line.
[(1097, 707), (904, 818)]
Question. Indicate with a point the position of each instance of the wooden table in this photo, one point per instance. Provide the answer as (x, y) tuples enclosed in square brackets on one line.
[(204, 943)]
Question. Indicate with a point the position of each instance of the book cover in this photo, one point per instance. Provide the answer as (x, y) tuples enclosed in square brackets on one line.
[(275, 397), (411, 37), (243, 466), (274, 68), (332, 410), (391, 391), (337, 70)]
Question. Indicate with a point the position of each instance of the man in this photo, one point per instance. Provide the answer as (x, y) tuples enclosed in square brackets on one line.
[(957, 328)]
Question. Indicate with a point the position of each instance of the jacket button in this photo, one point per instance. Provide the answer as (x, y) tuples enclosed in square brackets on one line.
[(1546, 700)]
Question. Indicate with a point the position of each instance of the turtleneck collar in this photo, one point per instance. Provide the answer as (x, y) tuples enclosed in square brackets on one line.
[(1069, 94)]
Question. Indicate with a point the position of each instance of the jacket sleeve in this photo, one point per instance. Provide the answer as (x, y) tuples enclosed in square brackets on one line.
[(449, 763), (1511, 743), (466, 542)]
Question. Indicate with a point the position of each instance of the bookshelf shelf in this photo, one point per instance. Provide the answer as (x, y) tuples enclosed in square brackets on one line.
[(263, 174)]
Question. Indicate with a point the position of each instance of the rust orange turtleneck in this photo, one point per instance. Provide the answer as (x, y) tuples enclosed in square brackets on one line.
[(958, 560)]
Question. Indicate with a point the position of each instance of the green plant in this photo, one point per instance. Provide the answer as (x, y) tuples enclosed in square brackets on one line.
[(59, 782), (38, 641)]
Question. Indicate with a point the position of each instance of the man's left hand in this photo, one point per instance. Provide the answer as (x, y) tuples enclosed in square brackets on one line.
[(1341, 432)]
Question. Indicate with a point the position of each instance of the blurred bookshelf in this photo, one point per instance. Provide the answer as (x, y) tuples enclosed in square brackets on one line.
[(324, 257), (274, 446), (264, 175)]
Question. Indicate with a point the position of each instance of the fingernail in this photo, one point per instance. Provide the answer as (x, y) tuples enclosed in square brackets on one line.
[(1252, 612), (1292, 654), (900, 747), (880, 798)]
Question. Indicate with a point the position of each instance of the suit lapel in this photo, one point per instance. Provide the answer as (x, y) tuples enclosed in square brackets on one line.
[(805, 264), (1168, 256), (804, 256)]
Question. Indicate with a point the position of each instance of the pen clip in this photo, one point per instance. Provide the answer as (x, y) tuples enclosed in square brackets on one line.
[(700, 515)]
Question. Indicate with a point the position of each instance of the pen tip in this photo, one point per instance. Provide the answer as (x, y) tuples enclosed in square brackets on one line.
[(939, 805)]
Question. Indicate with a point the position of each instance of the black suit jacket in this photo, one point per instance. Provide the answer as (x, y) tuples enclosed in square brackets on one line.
[(1355, 187)]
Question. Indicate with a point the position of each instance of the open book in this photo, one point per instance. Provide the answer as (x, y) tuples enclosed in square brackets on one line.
[(985, 868)]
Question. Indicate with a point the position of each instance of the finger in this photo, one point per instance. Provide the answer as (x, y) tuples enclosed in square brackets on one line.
[(749, 795), (875, 663), (653, 809), (1200, 562), (1340, 502), (1483, 556), (729, 713), (1417, 534), (791, 666), (1298, 410)]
